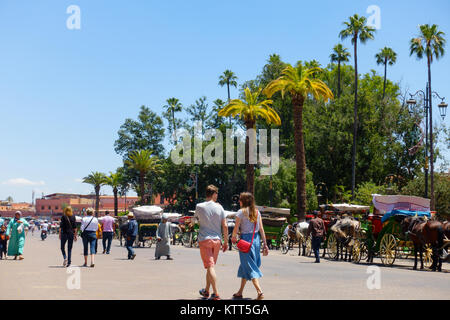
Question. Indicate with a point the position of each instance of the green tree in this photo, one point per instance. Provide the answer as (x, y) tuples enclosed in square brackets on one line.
[(145, 163), (228, 78), (145, 133), (299, 82), (173, 106), (430, 43), (339, 55), (386, 56), (114, 181), (249, 110), (355, 29), (199, 112), (97, 179)]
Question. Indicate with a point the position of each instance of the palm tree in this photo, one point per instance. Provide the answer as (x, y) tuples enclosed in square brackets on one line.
[(386, 56), (339, 55), (249, 110), (114, 180), (144, 163), (299, 82), (173, 106), (228, 78), (356, 29), (97, 179), (431, 43)]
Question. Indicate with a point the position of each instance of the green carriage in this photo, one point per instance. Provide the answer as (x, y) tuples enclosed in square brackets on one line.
[(275, 223)]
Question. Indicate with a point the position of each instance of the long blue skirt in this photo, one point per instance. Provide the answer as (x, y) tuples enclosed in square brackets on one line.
[(250, 261)]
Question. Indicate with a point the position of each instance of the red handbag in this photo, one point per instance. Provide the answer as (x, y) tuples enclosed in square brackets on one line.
[(245, 246)]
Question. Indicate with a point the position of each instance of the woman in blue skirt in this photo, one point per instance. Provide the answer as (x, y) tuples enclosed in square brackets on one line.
[(248, 222)]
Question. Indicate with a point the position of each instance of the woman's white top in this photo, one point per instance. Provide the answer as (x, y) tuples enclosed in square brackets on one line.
[(93, 226)]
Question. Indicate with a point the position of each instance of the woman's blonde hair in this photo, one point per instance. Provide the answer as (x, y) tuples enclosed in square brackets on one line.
[(89, 211), (68, 211), (248, 202)]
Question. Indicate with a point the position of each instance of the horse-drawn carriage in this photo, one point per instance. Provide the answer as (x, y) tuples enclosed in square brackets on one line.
[(337, 217), (274, 223), (382, 235)]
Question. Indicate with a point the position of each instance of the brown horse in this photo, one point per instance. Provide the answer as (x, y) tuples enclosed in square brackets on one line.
[(422, 232)]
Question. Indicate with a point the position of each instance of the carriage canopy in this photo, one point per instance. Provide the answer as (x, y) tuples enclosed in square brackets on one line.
[(405, 213)]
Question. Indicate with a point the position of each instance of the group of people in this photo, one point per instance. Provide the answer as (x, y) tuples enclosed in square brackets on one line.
[(212, 237), (213, 229)]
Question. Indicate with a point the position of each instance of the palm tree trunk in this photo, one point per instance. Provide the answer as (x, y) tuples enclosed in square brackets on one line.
[(142, 187), (300, 156), (174, 127), (229, 97), (97, 199), (355, 119), (339, 79), (385, 77), (432, 202), (116, 202), (249, 168)]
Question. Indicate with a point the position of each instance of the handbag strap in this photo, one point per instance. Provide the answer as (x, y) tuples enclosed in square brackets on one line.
[(254, 229), (88, 224)]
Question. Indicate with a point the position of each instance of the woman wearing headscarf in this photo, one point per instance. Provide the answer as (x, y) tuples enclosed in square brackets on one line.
[(16, 233), (163, 236), (67, 233), (249, 222)]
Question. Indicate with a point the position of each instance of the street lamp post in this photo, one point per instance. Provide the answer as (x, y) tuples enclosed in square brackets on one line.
[(428, 97)]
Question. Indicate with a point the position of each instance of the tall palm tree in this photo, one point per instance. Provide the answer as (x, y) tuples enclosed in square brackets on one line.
[(97, 179), (144, 163), (228, 78), (386, 56), (173, 105), (114, 180), (299, 82), (355, 29), (249, 110), (430, 43), (339, 55)]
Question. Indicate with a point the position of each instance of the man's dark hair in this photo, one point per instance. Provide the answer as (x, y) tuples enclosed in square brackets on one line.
[(210, 190), (106, 212)]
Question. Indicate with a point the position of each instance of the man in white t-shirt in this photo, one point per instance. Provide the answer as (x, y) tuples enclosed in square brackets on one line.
[(212, 222)]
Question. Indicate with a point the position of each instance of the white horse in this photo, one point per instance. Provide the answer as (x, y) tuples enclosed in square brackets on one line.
[(298, 234)]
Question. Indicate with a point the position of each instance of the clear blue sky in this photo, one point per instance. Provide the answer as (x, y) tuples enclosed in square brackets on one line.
[(65, 93)]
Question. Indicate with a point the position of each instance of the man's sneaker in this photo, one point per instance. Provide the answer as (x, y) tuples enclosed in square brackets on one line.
[(214, 297), (133, 256), (204, 293)]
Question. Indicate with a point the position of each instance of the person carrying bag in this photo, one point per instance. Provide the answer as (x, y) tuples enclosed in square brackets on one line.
[(249, 222)]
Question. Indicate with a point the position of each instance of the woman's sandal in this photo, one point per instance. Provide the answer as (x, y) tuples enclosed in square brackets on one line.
[(204, 293), (237, 296), (260, 296)]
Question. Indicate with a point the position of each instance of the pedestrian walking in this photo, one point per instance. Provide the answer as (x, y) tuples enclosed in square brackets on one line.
[(317, 230), (3, 242), (249, 222), (212, 222), (132, 232), (67, 233), (98, 236), (163, 235), (16, 233), (107, 223), (89, 226)]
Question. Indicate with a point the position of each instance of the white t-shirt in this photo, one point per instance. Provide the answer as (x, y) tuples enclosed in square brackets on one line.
[(86, 226), (210, 215), (44, 227)]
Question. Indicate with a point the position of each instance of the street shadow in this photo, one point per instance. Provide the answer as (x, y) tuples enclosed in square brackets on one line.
[(57, 267)]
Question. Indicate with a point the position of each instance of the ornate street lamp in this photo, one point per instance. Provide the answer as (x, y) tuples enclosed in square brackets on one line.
[(443, 109)]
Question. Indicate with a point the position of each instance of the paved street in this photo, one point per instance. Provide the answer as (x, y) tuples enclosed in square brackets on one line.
[(41, 276)]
